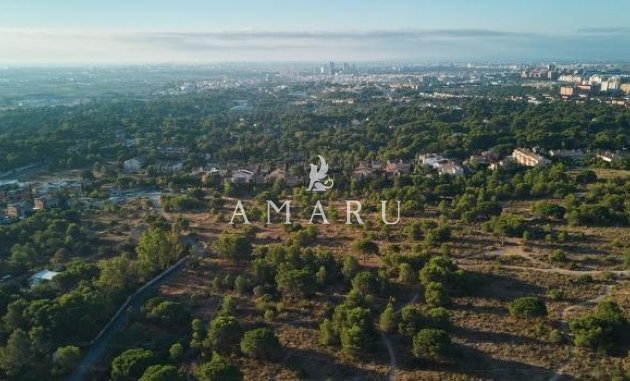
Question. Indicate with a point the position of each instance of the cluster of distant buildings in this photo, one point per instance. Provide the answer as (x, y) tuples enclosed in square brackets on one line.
[(21, 199), (262, 174), (574, 85), (333, 68)]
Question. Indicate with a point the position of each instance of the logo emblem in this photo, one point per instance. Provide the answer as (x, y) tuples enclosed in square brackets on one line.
[(317, 175)]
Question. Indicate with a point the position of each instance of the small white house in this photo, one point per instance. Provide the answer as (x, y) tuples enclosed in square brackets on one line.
[(133, 165), (45, 275)]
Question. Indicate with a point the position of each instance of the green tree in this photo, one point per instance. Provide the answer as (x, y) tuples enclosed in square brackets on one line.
[(436, 295), (365, 283), (296, 283), (161, 373), (241, 284), (198, 332), (365, 247), (355, 339), (431, 344), (157, 249), (442, 270), (605, 328), (406, 274), (218, 369), (167, 312), (527, 306), (65, 360), (176, 352), (349, 267), (235, 247), (16, 355), (411, 320), (439, 318), (131, 364), (261, 343), (387, 320), (224, 334), (327, 334)]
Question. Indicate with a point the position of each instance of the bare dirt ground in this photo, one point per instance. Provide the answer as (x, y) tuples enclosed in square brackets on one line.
[(491, 345)]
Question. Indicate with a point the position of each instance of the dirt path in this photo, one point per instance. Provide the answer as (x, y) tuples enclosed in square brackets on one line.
[(546, 267), (564, 326), (393, 363), (564, 320)]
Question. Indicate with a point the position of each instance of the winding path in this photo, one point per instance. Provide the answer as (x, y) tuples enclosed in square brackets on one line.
[(564, 326), (393, 363), (564, 320)]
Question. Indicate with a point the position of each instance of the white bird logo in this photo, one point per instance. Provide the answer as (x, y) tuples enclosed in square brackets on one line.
[(317, 175)]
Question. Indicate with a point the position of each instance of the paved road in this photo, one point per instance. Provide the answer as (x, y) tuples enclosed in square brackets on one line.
[(99, 345)]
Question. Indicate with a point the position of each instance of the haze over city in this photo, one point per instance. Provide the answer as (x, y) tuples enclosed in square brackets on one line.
[(121, 32)]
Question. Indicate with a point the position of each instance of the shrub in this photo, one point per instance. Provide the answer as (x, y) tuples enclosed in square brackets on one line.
[(555, 294), (387, 320), (218, 369), (261, 343), (296, 283), (131, 364), (327, 334), (527, 306), (234, 247), (176, 352), (436, 295), (161, 373), (432, 344), (558, 256), (410, 320), (364, 283), (555, 336), (224, 334), (439, 318), (66, 359), (602, 329)]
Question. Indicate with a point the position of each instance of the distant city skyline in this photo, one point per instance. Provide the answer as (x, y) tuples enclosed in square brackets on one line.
[(195, 31)]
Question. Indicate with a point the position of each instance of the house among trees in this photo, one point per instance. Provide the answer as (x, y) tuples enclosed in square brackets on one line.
[(366, 169), (484, 158), (45, 275), (281, 174), (443, 165), (18, 210), (133, 165), (13, 195), (450, 168), (606, 156), (529, 158), (397, 167), (45, 202), (432, 160), (242, 176), (168, 166)]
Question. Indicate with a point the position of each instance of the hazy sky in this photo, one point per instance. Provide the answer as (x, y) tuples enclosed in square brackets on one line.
[(137, 31)]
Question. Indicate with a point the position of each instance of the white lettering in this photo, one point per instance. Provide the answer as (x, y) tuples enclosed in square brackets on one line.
[(318, 207), (241, 212), (287, 212), (383, 209), (350, 211)]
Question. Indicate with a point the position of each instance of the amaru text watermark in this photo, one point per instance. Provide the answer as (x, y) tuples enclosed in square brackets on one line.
[(318, 182)]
